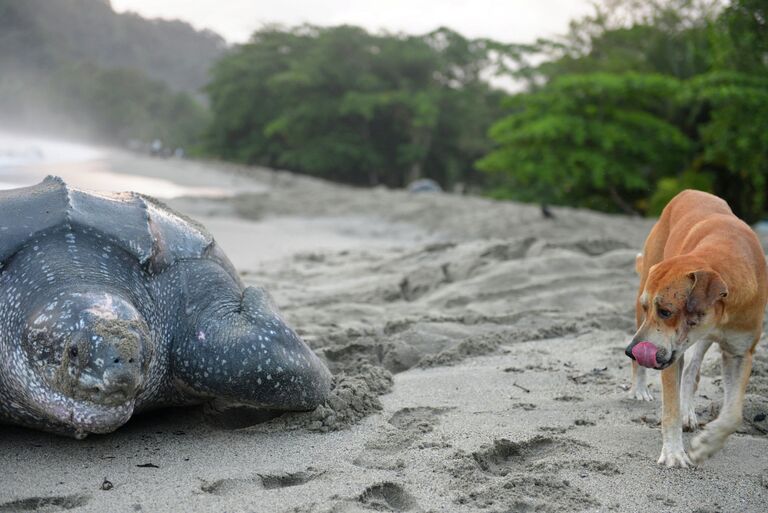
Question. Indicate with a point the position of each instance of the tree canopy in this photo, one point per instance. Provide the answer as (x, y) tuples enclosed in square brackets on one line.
[(639, 101), (344, 104), (583, 136)]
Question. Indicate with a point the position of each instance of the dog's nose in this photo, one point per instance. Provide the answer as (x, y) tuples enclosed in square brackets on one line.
[(628, 350), (661, 356)]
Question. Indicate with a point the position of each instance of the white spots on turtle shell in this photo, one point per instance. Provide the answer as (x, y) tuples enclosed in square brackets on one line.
[(267, 346)]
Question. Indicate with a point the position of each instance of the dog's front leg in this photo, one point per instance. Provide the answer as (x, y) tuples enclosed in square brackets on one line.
[(690, 382), (639, 388), (672, 450), (736, 370)]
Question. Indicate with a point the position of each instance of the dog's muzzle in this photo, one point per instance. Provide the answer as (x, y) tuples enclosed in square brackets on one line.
[(650, 355)]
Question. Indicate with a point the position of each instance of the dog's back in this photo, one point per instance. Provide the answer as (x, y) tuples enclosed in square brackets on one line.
[(701, 221), (683, 212)]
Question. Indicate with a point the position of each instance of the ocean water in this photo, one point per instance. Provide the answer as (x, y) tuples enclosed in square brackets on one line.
[(26, 160)]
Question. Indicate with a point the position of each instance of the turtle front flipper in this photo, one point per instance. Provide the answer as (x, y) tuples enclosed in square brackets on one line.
[(237, 348)]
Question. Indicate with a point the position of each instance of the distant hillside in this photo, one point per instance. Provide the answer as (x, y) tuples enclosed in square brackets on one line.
[(76, 67), (41, 34)]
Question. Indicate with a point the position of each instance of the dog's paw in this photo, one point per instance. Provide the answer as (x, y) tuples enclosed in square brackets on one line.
[(675, 458), (690, 421), (641, 393), (707, 443)]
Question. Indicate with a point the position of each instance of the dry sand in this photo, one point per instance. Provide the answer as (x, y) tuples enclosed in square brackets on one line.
[(478, 350)]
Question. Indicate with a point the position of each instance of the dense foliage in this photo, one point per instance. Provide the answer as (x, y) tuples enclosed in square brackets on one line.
[(344, 104), (579, 137), (638, 102), (77, 66)]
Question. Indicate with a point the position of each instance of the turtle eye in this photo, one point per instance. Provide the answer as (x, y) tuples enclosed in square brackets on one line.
[(73, 352), (663, 313)]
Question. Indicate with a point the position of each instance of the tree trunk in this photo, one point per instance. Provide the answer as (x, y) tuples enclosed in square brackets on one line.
[(373, 178), (619, 202)]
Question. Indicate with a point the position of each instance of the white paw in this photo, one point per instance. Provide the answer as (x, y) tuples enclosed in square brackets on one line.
[(707, 443), (641, 393), (690, 421), (675, 458)]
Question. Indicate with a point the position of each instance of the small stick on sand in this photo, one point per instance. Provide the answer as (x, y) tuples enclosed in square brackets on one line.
[(521, 388)]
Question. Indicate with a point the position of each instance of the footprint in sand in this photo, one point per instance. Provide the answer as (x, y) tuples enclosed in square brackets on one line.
[(521, 476), (257, 482), (506, 456), (417, 421), (388, 496), (45, 504), (404, 428), (526, 492)]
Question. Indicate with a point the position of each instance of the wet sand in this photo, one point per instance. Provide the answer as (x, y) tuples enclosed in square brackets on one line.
[(478, 353)]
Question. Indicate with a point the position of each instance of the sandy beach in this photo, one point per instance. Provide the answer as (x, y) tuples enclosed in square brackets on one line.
[(478, 354)]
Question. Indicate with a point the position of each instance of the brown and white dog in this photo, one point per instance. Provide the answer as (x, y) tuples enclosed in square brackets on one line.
[(703, 279)]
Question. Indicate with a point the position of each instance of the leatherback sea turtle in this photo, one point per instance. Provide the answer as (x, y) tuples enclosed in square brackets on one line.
[(112, 303)]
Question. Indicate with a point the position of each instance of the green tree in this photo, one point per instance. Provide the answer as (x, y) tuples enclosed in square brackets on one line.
[(730, 113), (598, 140), (690, 74), (361, 108), (728, 108)]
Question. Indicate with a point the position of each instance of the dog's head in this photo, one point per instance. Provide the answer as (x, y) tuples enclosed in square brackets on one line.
[(682, 302)]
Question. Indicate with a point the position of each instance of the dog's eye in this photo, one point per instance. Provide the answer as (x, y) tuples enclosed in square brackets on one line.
[(663, 313)]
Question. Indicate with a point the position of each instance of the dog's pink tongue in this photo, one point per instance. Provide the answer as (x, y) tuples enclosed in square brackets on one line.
[(645, 354)]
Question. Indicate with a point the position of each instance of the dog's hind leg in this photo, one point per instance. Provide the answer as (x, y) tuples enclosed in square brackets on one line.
[(690, 382), (639, 388), (736, 370)]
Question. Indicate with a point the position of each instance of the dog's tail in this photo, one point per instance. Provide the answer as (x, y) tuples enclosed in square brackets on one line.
[(639, 263)]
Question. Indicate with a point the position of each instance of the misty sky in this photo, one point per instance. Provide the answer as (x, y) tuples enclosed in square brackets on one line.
[(517, 21)]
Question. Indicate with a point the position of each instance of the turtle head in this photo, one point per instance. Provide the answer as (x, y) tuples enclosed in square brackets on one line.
[(90, 350)]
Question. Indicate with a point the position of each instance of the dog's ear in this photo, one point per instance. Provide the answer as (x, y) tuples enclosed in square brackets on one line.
[(707, 288)]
